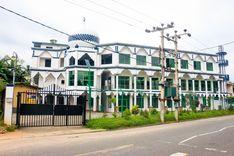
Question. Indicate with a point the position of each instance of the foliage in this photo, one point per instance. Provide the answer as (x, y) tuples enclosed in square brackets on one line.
[(144, 113), (231, 108), (126, 114), (113, 100), (153, 111), (114, 114), (7, 64), (135, 110), (138, 120)]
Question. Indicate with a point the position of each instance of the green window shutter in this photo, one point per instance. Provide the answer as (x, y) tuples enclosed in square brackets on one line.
[(184, 64), (170, 63), (140, 82), (197, 65), (190, 85), (154, 101), (204, 100), (155, 83), (209, 85), (124, 58), (203, 86), (183, 84), (183, 101), (196, 85), (169, 103), (140, 101), (155, 61), (215, 86), (141, 60), (209, 66), (83, 78), (126, 102), (71, 78), (123, 82)]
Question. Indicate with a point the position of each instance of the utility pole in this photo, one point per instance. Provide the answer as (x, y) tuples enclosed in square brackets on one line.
[(174, 39), (14, 66), (162, 52)]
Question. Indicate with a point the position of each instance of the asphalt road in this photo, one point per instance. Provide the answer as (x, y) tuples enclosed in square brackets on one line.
[(209, 137)]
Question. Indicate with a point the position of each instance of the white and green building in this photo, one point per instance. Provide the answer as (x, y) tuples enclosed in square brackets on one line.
[(128, 72)]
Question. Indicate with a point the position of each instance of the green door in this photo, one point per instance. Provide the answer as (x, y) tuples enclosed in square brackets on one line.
[(124, 101)]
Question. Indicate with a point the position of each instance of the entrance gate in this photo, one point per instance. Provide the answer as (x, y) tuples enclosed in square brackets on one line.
[(52, 106)]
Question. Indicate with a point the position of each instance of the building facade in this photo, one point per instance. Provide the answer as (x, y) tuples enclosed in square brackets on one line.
[(127, 72)]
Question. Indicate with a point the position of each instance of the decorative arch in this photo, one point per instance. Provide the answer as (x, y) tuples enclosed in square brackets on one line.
[(199, 77), (126, 50), (72, 61), (38, 79), (198, 58), (157, 74), (186, 76), (81, 61), (185, 57), (61, 80), (211, 59), (50, 79), (142, 73), (155, 53), (126, 72), (45, 54), (106, 50), (142, 51)]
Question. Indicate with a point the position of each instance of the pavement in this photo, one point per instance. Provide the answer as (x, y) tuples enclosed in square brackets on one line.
[(33, 132), (207, 137)]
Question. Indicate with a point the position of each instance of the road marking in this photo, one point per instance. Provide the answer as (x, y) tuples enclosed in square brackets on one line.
[(179, 154), (203, 134), (211, 149), (166, 142), (107, 150)]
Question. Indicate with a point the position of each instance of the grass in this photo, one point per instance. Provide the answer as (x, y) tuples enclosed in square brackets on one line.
[(137, 120), (4, 128)]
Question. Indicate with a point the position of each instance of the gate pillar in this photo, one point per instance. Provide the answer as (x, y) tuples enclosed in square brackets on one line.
[(8, 105)]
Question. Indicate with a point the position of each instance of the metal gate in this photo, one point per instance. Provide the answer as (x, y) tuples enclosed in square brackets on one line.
[(51, 107)]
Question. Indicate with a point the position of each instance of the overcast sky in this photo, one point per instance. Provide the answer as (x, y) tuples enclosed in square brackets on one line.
[(210, 22)]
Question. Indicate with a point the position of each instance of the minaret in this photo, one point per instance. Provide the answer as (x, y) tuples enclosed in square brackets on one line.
[(223, 63)]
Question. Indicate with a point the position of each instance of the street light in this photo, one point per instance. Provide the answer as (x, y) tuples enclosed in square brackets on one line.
[(89, 86)]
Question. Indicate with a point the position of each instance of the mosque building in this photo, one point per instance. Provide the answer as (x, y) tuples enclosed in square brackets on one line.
[(129, 73)]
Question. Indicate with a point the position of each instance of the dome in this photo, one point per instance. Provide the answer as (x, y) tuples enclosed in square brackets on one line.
[(85, 38)]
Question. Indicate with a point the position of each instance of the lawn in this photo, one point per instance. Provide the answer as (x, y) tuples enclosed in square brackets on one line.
[(138, 120)]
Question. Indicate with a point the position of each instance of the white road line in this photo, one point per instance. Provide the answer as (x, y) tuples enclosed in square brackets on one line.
[(107, 150), (162, 141), (211, 149), (203, 134), (179, 154)]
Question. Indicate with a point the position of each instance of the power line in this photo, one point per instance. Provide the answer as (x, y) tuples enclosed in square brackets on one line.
[(57, 30), (100, 13), (135, 10), (227, 43), (117, 12)]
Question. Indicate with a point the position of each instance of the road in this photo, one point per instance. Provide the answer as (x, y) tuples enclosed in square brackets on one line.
[(208, 137)]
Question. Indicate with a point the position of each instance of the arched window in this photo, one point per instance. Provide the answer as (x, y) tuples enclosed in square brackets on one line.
[(81, 61), (72, 61)]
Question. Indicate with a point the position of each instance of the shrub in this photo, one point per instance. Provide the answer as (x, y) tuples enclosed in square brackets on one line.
[(126, 114), (153, 111), (135, 110), (104, 115), (11, 128), (231, 108), (114, 114), (144, 113)]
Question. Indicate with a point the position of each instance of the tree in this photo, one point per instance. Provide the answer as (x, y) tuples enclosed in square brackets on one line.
[(7, 65)]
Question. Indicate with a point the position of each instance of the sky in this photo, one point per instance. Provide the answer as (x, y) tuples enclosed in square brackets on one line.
[(209, 21)]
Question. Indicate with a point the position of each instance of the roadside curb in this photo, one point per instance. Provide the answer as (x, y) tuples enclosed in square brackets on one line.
[(22, 135)]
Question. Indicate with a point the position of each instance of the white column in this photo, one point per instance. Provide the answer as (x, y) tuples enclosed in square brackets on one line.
[(135, 93), (145, 83), (95, 103), (130, 82), (117, 89), (145, 101), (187, 85), (76, 76), (150, 94), (112, 81), (130, 102), (8, 105), (180, 91)]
